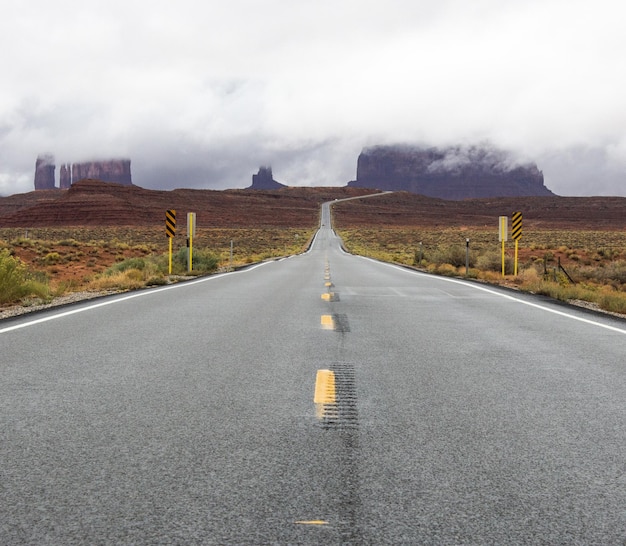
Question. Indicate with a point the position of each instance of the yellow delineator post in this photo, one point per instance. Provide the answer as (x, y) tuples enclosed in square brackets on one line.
[(503, 234), (516, 233), (170, 230), (191, 233)]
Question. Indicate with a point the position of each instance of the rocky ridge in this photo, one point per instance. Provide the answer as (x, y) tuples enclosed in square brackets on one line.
[(97, 203)]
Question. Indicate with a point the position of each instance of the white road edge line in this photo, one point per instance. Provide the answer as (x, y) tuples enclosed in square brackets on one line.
[(502, 295), (125, 298)]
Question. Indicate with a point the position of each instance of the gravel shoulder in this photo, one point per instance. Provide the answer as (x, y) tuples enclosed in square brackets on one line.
[(16, 310)]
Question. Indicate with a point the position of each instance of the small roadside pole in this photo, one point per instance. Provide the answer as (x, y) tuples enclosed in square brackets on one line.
[(170, 230), (467, 257), (191, 233), (516, 233), (230, 267), (503, 235)]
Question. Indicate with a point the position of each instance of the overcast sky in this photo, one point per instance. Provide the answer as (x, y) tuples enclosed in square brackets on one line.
[(200, 93)]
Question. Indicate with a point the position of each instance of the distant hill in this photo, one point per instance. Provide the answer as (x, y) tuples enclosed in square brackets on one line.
[(97, 203), (448, 173)]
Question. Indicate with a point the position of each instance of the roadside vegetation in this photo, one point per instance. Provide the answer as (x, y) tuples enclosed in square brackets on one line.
[(37, 265), (587, 266), (17, 282)]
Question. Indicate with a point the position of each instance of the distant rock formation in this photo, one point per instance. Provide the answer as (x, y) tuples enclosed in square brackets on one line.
[(448, 173), (65, 176), (44, 172), (112, 170), (264, 180)]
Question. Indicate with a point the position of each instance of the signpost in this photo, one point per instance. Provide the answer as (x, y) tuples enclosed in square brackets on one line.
[(170, 230), (516, 233), (191, 233), (503, 235)]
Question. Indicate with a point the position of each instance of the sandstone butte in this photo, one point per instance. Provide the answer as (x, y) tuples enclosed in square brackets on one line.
[(110, 170), (454, 172)]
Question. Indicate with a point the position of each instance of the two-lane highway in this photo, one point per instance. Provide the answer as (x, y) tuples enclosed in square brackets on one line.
[(451, 413)]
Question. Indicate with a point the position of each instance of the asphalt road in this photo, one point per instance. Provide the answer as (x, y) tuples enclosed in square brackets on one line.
[(452, 413)]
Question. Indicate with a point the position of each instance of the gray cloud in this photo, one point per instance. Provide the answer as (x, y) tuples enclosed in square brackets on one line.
[(200, 93)]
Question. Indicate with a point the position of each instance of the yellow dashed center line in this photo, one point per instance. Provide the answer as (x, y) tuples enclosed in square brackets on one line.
[(328, 323), (325, 394), (324, 387)]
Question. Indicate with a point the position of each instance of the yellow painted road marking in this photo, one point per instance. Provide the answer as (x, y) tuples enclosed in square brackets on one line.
[(324, 387), (328, 322), (325, 394), (328, 296), (312, 522), (328, 284)]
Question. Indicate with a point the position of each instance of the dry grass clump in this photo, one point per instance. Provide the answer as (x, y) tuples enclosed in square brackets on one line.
[(122, 280)]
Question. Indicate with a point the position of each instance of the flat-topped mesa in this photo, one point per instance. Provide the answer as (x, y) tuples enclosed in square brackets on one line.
[(113, 170), (44, 172), (264, 180), (452, 173), (110, 170)]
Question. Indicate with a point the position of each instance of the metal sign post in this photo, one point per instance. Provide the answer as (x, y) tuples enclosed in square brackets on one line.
[(191, 233), (504, 235)]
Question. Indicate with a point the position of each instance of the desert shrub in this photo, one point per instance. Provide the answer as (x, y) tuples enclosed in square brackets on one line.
[(16, 282), (614, 302), (134, 275), (454, 255), (615, 271), (142, 248), (492, 261), (606, 253), (125, 264), (24, 242), (530, 275), (51, 258), (446, 269), (119, 280), (204, 261), (68, 242)]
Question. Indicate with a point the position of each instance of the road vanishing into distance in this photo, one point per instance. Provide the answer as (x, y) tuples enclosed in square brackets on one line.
[(321, 399)]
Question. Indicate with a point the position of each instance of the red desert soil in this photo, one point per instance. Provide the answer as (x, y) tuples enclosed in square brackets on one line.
[(95, 203)]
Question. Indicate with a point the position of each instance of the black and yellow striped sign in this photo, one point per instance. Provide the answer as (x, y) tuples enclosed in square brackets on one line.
[(170, 222), (516, 226)]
